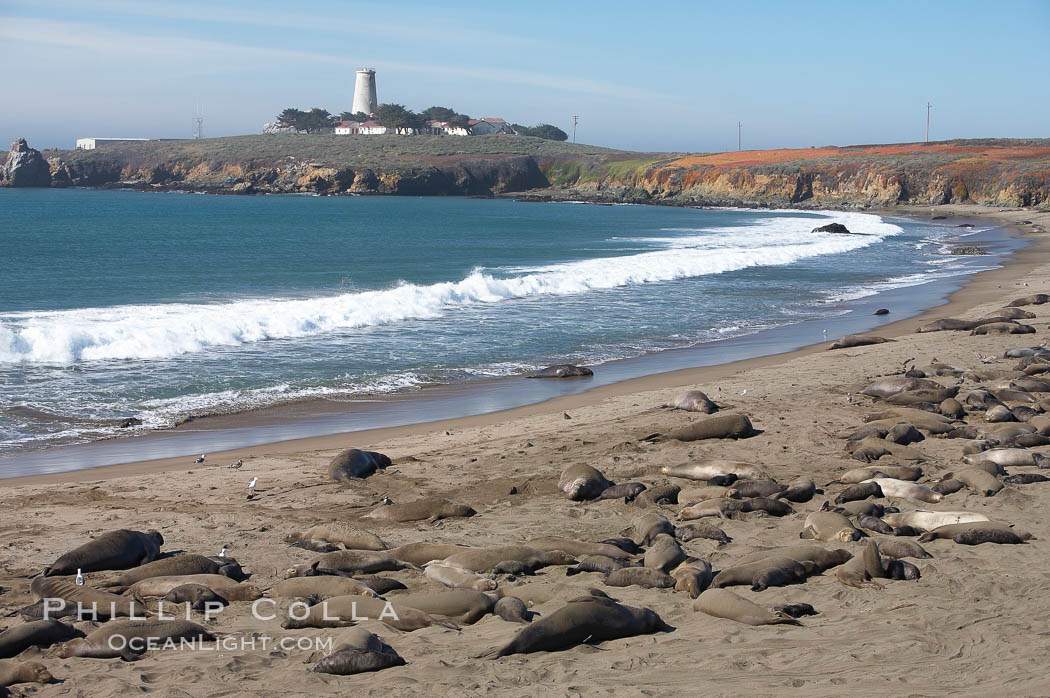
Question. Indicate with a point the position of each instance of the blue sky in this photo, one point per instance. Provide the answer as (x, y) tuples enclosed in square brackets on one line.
[(667, 76)]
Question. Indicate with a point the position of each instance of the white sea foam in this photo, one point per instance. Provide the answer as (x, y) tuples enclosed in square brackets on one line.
[(168, 330)]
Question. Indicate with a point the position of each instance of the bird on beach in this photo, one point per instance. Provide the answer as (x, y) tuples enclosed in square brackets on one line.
[(201, 459), (982, 358), (849, 398), (743, 392), (251, 485), (79, 581), (222, 553), (237, 465), (825, 333)]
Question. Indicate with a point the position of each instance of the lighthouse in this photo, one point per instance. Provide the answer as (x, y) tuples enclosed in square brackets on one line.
[(365, 92)]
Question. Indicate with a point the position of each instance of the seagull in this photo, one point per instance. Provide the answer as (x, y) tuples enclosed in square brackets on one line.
[(200, 460), (849, 398), (982, 358), (80, 578), (743, 392), (237, 465), (251, 485), (222, 553), (825, 333)]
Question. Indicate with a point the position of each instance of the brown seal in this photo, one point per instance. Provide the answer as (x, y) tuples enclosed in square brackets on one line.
[(93, 601), (135, 637), (420, 554), (563, 371), (357, 660), (660, 494), (858, 340), (513, 610), (489, 559), (762, 574), (648, 526), (898, 548), (582, 482), (342, 611), (360, 561), (728, 426), (355, 464), (640, 576), (586, 619), (36, 633), (340, 533), (664, 554), (822, 558), (722, 603), (692, 577), (745, 489), (829, 526), (25, 672), (800, 490), (183, 563), (197, 596), (224, 586), (429, 509), (115, 550), (321, 586), (577, 547), (696, 401), (626, 491), (863, 569), (702, 529), (465, 606)]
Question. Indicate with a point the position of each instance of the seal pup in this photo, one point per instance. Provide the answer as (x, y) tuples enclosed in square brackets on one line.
[(796, 610), (974, 533), (355, 464), (707, 469), (897, 548), (429, 509), (513, 610), (358, 652), (929, 520), (640, 576), (36, 633), (695, 401), (702, 529), (114, 550), (585, 619), (860, 491), (746, 489), (582, 482), (892, 487), (863, 569), (829, 526), (800, 490), (660, 494), (627, 491), (722, 603), (25, 672), (456, 578), (728, 426)]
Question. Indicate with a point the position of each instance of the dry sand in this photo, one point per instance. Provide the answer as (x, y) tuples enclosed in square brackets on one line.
[(974, 623)]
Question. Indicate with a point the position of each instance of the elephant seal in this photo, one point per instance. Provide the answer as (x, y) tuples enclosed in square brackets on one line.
[(114, 550), (707, 469), (513, 610), (722, 603), (1009, 457), (860, 491), (1003, 328), (355, 464), (339, 533), (923, 419), (648, 526), (626, 491), (342, 611), (585, 619), (951, 531), (897, 548), (488, 559), (822, 558), (946, 324), (693, 495), (356, 660), (696, 401), (925, 400), (360, 561), (727, 426), (999, 413), (197, 596), (36, 633), (183, 563), (89, 602), (901, 569), (380, 585), (800, 490), (978, 536), (773, 507), (863, 507), (904, 434), (1011, 314), (745, 489), (948, 486), (465, 606), (979, 480), (796, 610), (929, 520), (582, 482), (664, 554), (640, 576), (868, 450), (321, 586), (136, 637), (858, 340), (874, 523), (577, 547), (563, 371), (661, 494), (1034, 299), (596, 563), (224, 586), (863, 569), (950, 407), (692, 577), (722, 508), (456, 578), (829, 526), (977, 446), (702, 529), (419, 554), (625, 544), (762, 574), (873, 431), (722, 480), (430, 509), (880, 311), (885, 387), (1025, 478), (892, 487), (25, 672)]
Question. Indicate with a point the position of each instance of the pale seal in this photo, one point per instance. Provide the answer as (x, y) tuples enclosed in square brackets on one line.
[(722, 603), (582, 482), (429, 509)]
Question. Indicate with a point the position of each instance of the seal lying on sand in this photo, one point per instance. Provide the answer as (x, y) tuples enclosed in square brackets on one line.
[(322, 586), (863, 569), (37, 633), (224, 586), (420, 554), (800, 490), (885, 387), (340, 533), (115, 550), (858, 340), (358, 652), (586, 619), (696, 401), (828, 526), (727, 426), (26, 672), (929, 520), (513, 610), (183, 563), (892, 487), (582, 482), (355, 464), (456, 578), (465, 606), (722, 603), (341, 611), (707, 469), (692, 577), (429, 508), (975, 533), (563, 371), (489, 559), (93, 601), (361, 561), (129, 639), (762, 574)]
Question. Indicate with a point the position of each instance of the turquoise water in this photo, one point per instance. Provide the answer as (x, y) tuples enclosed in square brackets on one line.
[(158, 306)]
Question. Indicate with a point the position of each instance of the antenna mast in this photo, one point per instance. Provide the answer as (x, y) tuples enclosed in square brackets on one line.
[(928, 106), (575, 120), (198, 122), (739, 137)]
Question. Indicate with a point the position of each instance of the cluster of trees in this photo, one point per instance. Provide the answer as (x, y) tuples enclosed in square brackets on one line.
[(396, 116)]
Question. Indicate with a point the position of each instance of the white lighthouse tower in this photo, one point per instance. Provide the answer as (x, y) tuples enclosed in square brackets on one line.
[(365, 92)]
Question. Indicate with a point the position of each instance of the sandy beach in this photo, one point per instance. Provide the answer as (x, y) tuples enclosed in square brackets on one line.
[(971, 624)]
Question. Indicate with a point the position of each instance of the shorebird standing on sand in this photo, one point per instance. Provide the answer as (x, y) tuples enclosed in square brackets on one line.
[(79, 581), (222, 553), (200, 460)]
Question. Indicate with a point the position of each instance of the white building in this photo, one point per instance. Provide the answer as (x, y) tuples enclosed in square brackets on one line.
[(483, 127), (445, 128), (92, 143)]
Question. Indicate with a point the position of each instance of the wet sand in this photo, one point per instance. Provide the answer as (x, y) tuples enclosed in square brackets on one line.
[(972, 624)]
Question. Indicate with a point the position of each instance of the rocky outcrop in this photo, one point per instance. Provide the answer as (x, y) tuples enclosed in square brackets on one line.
[(25, 167)]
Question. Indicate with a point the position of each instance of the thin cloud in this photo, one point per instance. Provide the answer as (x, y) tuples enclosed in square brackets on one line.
[(100, 39)]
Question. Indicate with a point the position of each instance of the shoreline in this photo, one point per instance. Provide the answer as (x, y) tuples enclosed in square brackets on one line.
[(974, 288)]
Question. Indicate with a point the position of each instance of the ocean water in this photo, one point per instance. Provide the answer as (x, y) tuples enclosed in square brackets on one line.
[(117, 305)]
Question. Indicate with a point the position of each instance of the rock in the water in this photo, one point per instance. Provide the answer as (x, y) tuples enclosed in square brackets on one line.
[(25, 167), (833, 228), (882, 311), (563, 371)]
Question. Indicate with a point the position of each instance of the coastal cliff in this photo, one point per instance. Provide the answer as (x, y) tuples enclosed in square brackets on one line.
[(999, 172)]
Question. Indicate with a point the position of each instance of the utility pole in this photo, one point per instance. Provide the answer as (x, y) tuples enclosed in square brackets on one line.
[(928, 106), (198, 122), (575, 120), (739, 137)]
